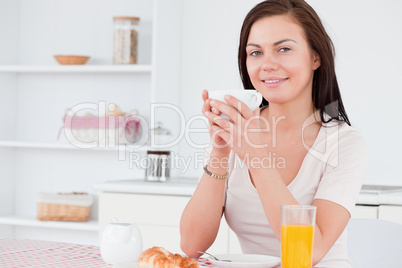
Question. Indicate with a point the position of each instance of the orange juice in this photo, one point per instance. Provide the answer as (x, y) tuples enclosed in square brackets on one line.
[(297, 246)]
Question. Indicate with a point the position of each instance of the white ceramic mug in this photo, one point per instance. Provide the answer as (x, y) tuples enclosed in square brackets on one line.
[(252, 98)]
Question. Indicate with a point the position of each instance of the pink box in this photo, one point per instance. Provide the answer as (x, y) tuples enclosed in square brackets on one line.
[(109, 129)]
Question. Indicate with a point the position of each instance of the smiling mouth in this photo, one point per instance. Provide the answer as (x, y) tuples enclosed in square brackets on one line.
[(274, 80)]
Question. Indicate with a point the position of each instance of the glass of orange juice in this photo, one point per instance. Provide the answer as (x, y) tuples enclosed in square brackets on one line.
[(297, 235)]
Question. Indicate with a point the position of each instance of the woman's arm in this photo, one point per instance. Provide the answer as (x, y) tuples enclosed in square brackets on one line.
[(200, 220), (331, 218)]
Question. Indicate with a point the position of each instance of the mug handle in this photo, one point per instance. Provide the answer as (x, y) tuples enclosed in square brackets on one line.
[(258, 100)]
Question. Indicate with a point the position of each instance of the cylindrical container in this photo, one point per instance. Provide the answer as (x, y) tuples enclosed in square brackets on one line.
[(125, 43), (297, 235), (158, 166)]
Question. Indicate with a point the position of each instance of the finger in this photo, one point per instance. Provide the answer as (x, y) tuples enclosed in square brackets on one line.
[(244, 110), (257, 112), (219, 120), (217, 131), (215, 111), (223, 122), (206, 107), (210, 122), (230, 111), (204, 95)]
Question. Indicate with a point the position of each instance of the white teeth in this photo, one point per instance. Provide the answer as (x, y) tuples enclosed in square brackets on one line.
[(271, 81)]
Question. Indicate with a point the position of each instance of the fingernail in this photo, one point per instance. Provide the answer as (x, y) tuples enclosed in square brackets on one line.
[(212, 102), (227, 97), (206, 113)]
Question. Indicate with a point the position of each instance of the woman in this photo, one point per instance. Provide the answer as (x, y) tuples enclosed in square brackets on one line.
[(286, 55)]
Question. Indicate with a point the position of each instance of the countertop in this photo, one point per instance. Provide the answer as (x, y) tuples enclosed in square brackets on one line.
[(380, 195), (175, 186), (370, 194)]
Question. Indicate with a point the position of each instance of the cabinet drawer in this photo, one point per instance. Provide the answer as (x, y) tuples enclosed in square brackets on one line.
[(157, 216), (141, 209), (390, 213), (365, 212), (167, 237)]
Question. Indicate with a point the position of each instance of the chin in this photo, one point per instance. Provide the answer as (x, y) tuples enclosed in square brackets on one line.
[(276, 100)]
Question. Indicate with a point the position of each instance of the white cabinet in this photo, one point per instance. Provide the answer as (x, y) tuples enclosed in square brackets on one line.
[(35, 91), (390, 213), (384, 212), (365, 212), (158, 217)]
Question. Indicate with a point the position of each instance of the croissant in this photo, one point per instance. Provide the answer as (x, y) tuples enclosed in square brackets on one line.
[(158, 257)]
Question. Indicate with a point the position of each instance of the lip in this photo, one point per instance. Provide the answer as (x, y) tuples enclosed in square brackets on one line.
[(275, 81)]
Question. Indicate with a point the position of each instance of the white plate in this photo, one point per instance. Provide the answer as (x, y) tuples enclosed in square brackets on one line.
[(246, 260)]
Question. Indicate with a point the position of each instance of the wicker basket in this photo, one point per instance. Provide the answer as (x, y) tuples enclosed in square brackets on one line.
[(71, 59), (63, 206)]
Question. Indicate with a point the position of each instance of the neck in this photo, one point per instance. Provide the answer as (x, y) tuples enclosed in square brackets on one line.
[(290, 117)]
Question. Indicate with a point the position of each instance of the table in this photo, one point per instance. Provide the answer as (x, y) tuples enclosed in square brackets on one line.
[(36, 253), (21, 253)]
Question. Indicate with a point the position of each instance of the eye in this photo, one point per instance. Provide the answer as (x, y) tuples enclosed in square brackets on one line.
[(284, 49), (255, 53)]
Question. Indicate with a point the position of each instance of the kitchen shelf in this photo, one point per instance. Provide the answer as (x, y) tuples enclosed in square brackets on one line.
[(26, 221), (64, 146), (35, 87), (76, 69)]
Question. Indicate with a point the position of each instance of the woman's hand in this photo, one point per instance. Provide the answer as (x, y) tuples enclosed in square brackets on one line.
[(243, 132), (220, 146)]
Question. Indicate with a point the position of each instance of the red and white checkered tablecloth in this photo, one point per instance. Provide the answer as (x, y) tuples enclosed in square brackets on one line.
[(21, 253)]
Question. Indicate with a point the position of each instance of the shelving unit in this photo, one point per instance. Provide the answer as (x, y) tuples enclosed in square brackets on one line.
[(118, 69), (16, 220), (36, 90), (61, 146)]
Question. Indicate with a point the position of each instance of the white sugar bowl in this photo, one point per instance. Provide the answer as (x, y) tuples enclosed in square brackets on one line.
[(121, 244)]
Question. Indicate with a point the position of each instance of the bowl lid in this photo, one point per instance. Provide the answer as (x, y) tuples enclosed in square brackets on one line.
[(160, 130)]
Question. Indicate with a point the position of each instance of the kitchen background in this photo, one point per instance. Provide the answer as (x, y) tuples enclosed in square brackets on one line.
[(184, 47)]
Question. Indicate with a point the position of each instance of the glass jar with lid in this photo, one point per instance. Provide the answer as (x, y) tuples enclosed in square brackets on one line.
[(125, 43), (159, 136)]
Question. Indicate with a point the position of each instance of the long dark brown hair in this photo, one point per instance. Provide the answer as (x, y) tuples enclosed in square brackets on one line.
[(325, 94)]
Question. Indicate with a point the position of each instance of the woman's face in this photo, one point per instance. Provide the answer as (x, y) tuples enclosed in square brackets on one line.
[(279, 61)]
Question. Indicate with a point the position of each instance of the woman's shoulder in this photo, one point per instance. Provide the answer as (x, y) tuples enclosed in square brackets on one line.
[(343, 130), (344, 137), (350, 134)]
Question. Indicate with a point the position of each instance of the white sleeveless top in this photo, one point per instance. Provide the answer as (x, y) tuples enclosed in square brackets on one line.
[(333, 169)]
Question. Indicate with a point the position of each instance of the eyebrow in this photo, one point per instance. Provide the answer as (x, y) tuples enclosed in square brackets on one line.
[(275, 44)]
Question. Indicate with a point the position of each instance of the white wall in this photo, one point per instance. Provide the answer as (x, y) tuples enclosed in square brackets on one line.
[(368, 46), (368, 39), (78, 27)]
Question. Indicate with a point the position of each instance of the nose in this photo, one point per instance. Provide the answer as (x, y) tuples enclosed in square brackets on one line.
[(270, 62)]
